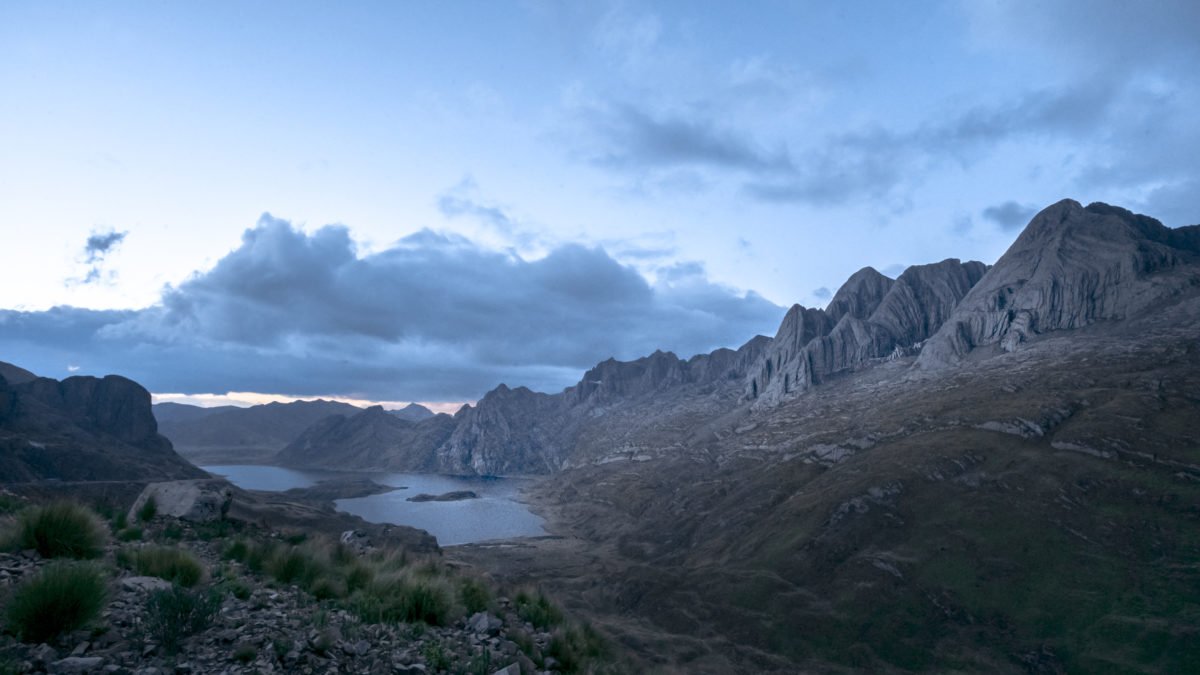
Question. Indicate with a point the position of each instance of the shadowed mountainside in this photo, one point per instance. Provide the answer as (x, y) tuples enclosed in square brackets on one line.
[(1015, 489), (242, 434), (82, 428)]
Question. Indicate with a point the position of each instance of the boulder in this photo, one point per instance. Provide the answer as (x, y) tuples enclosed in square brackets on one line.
[(198, 501)]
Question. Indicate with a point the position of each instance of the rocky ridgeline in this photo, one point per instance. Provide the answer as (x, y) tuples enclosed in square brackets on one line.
[(263, 626), (1072, 267)]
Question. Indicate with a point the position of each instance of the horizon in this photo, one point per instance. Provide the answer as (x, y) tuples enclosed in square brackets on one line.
[(225, 200)]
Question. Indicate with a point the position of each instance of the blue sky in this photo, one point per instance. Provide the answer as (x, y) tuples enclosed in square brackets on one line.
[(519, 190)]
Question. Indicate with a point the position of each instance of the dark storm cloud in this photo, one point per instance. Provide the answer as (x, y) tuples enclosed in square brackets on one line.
[(434, 317), (1010, 215)]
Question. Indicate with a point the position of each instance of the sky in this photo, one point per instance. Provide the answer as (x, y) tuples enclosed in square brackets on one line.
[(417, 201)]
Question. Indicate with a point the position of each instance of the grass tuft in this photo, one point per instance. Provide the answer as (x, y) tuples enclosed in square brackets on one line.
[(175, 613), (61, 530), (61, 597), (537, 609), (173, 564)]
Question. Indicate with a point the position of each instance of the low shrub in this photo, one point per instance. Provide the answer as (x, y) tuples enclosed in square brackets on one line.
[(575, 647), (173, 564), (175, 613), (148, 510), (245, 653), (537, 609), (61, 597), (475, 595), (237, 588), (61, 530), (10, 503), (399, 598), (236, 550), (130, 534)]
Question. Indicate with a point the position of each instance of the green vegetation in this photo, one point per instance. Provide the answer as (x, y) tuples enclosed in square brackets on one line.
[(173, 564), (537, 609), (175, 613), (60, 530), (245, 653), (62, 597), (10, 503), (576, 647), (148, 511), (475, 595), (404, 598)]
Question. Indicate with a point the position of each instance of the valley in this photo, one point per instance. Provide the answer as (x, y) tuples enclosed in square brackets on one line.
[(967, 468)]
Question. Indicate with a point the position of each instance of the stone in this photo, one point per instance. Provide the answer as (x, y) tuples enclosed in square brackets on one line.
[(76, 664), (198, 501), (484, 623), (145, 584), (510, 669)]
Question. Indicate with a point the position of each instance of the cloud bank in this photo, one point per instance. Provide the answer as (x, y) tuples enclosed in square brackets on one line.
[(433, 317)]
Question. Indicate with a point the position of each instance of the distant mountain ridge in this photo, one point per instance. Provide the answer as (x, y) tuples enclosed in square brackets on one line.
[(1071, 267), (242, 434)]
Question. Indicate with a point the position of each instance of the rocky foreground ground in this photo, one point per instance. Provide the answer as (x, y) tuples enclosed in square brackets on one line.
[(257, 624)]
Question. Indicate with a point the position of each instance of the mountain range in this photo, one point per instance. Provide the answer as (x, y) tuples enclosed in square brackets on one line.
[(1072, 267)]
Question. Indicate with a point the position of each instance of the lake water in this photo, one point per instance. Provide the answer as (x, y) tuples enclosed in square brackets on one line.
[(496, 514)]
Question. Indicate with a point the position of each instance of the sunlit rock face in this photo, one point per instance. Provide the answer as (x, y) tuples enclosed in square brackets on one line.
[(871, 317), (1071, 267)]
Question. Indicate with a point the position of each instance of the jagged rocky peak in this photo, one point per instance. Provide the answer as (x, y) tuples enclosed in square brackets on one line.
[(860, 295), (1072, 266), (613, 379), (875, 318)]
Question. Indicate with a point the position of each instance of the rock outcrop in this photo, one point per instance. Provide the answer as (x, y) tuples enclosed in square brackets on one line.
[(871, 317), (197, 501), (1071, 267), (83, 428)]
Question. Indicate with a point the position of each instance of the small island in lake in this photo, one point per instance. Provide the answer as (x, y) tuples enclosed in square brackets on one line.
[(455, 496)]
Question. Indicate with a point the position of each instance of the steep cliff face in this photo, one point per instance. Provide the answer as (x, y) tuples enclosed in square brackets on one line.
[(83, 428), (871, 317), (1071, 267)]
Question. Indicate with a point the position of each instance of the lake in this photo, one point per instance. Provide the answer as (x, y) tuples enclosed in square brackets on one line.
[(496, 514)]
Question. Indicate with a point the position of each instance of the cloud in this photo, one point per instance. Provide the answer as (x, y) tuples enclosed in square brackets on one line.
[(95, 250), (635, 138), (873, 162), (1010, 215), (99, 244), (822, 293), (434, 317)]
